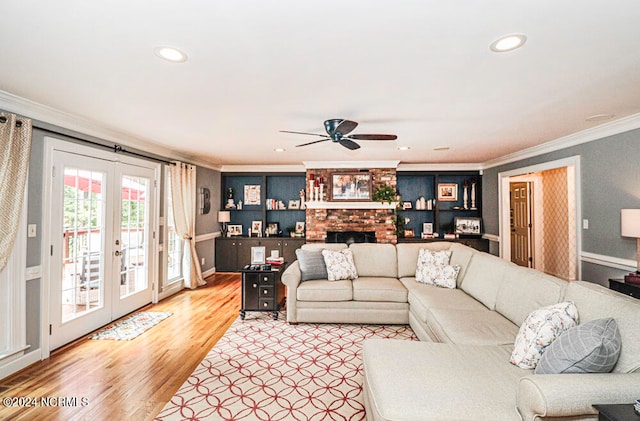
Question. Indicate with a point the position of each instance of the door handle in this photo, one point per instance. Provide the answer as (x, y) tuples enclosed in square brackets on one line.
[(118, 253)]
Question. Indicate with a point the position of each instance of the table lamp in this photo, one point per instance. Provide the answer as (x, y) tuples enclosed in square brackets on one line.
[(630, 227), (224, 217)]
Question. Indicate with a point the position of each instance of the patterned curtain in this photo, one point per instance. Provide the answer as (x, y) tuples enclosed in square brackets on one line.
[(183, 192), (15, 145)]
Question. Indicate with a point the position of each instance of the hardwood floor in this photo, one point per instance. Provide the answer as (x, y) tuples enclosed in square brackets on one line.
[(129, 380)]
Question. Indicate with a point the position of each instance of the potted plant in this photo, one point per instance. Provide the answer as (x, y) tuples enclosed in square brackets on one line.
[(291, 229), (385, 193)]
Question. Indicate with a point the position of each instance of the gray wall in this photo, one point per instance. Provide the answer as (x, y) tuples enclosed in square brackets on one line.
[(610, 181), (207, 224)]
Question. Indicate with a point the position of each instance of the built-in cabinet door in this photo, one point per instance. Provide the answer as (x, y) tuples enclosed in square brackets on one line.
[(226, 254), (244, 251), (289, 246)]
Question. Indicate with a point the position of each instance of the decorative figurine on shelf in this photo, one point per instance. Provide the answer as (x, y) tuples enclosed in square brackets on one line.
[(312, 179), (239, 207), (302, 202), (473, 194), (465, 200), (230, 204)]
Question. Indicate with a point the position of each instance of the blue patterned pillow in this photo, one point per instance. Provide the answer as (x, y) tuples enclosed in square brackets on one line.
[(593, 347)]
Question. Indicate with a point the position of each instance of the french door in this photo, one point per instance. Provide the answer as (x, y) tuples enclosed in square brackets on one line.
[(101, 236)]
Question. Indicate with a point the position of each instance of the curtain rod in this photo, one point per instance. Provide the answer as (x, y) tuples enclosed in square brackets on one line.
[(116, 148)]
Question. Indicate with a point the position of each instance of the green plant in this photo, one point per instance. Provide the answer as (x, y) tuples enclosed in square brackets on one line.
[(291, 228), (384, 193)]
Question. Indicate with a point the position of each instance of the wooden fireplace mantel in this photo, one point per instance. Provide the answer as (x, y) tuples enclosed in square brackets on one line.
[(351, 205)]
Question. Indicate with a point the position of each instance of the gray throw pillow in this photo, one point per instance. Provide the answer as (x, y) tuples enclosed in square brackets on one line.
[(592, 347), (312, 264)]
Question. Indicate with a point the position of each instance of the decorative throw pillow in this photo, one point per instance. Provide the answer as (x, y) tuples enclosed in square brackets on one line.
[(434, 269), (339, 264), (443, 276), (539, 330), (593, 347), (312, 264)]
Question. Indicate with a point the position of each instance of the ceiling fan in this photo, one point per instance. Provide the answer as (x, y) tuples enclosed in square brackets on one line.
[(338, 132)]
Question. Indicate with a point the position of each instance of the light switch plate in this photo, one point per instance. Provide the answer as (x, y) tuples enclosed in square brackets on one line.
[(31, 230)]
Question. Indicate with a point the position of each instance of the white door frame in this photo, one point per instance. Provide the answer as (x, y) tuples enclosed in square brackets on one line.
[(51, 144), (503, 203)]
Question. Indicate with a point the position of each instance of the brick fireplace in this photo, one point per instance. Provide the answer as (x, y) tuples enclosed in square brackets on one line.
[(361, 219)]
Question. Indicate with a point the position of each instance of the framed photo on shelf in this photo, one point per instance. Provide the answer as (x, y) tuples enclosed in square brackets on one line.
[(407, 205), (299, 227), (468, 225), (258, 255), (351, 186), (256, 227), (427, 228), (448, 192), (294, 204), (252, 194), (234, 230), (273, 228), (408, 233)]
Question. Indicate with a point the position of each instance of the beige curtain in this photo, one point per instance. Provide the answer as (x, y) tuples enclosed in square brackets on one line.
[(15, 145), (183, 192)]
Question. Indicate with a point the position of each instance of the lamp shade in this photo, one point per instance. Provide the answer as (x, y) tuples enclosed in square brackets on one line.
[(630, 223), (224, 216)]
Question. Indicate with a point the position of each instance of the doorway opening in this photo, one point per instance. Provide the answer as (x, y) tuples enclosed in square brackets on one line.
[(539, 217)]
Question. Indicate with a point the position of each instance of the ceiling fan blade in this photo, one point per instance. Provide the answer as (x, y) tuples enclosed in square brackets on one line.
[(310, 134), (373, 136), (346, 127), (311, 143), (349, 144)]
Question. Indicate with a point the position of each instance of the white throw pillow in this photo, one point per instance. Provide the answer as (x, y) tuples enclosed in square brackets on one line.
[(339, 264), (539, 330), (433, 268), (442, 276)]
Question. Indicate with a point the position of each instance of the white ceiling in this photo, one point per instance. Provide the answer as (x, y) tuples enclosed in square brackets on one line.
[(419, 69)]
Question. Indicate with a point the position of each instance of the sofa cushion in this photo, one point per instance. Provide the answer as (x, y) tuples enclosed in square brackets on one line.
[(369, 288), (461, 256), (525, 290), (597, 302), (423, 297), (323, 246), (539, 330), (592, 347), (312, 264), (339, 264), (325, 291), (470, 327), (373, 259), (407, 380), (408, 255), (483, 278)]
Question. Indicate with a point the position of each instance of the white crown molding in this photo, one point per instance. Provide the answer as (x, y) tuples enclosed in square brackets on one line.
[(262, 168), (621, 125), (350, 164), (440, 167), (47, 114)]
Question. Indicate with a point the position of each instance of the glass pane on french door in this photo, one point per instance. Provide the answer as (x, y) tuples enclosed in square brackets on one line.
[(134, 235), (82, 286)]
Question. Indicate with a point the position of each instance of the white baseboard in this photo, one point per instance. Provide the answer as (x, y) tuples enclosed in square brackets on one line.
[(20, 363), (209, 272)]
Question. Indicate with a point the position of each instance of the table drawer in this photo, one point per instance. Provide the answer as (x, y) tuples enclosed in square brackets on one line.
[(267, 279), (266, 292), (266, 303)]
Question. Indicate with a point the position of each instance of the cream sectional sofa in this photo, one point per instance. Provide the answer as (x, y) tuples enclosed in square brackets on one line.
[(460, 369)]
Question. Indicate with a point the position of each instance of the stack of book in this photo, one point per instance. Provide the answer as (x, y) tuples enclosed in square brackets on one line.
[(275, 261)]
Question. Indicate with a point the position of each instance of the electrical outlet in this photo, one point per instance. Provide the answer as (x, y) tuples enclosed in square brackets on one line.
[(31, 230), (585, 224), (202, 261)]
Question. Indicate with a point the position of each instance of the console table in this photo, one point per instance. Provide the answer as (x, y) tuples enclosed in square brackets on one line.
[(262, 290), (616, 412), (621, 286)]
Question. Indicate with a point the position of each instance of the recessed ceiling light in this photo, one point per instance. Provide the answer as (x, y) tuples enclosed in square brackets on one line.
[(441, 148), (279, 149), (508, 43), (600, 117), (170, 54), (403, 148)]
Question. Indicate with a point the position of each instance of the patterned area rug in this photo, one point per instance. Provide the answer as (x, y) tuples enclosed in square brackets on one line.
[(131, 327), (263, 369)]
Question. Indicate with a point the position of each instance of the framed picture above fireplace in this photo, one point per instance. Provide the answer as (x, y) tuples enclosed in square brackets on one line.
[(351, 186)]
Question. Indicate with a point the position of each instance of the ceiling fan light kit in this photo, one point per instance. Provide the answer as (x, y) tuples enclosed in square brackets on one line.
[(338, 132)]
